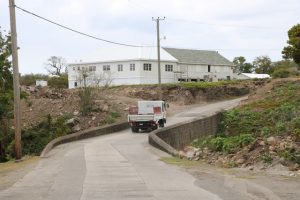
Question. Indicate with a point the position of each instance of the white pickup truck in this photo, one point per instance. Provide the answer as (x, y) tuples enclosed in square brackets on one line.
[(148, 115)]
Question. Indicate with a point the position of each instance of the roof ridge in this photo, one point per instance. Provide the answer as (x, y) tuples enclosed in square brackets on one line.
[(190, 49)]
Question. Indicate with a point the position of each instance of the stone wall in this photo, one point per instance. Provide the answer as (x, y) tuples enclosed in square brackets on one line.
[(92, 132), (174, 138)]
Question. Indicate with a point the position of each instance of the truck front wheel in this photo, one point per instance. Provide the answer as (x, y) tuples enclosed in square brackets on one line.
[(134, 129)]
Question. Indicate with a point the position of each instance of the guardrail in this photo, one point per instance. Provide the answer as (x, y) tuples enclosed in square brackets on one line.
[(88, 133), (174, 138)]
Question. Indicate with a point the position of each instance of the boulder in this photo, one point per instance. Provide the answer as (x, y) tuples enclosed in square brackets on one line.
[(190, 154), (282, 146), (76, 128), (271, 148), (271, 140), (105, 108), (240, 161), (262, 143)]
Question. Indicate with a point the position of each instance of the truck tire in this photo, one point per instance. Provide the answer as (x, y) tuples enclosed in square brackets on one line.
[(134, 129), (161, 123), (155, 127)]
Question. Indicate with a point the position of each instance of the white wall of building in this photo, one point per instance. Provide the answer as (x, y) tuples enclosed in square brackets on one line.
[(127, 76), (196, 71), (97, 75)]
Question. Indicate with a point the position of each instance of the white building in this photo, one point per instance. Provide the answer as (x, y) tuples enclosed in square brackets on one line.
[(252, 76), (41, 83), (142, 68)]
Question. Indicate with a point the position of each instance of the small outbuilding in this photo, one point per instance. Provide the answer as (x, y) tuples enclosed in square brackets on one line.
[(252, 76), (41, 83)]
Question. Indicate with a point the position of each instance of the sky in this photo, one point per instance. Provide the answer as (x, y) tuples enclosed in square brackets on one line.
[(248, 28)]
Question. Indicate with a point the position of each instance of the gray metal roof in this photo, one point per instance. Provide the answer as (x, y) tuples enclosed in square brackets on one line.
[(190, 56)]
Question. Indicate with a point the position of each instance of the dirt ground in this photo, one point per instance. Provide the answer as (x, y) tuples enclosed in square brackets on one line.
[(238, 183)]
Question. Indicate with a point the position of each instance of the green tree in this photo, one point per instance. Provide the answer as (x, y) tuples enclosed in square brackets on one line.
[(241, 66), (263, 65), (6, 93), (292, 51)]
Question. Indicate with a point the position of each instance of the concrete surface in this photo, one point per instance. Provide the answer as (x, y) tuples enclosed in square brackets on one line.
[(117, 166)]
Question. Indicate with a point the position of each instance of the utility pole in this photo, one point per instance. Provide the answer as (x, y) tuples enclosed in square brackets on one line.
[(17, 111), (158, 53)]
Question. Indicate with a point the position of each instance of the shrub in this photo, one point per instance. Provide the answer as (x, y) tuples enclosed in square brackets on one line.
[(29, 79), (108, 120), (58, 82), (226, 144), (266, 158), (281, 73), (36, 138), (85, 100), (115, 114)]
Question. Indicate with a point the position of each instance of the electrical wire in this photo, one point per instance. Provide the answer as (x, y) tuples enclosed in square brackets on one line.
[(78, 32)]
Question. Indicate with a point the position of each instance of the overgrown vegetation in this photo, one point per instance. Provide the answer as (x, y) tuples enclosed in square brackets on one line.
[(86, 100), (29, 79), (35, 139), (58, 81), (111, 118), (277, 115), (6, 94), (224, 144)]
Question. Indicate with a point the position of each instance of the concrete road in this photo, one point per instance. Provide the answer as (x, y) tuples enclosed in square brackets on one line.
[(117, 166)]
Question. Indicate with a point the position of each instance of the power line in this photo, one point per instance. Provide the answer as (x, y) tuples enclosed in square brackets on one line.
[(79, 32)]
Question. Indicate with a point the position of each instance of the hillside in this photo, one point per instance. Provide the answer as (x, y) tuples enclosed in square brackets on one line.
[(264, 132), (49, 113), (41, 102)]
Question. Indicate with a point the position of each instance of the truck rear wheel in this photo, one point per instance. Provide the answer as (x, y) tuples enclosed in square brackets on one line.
[(161, 123)]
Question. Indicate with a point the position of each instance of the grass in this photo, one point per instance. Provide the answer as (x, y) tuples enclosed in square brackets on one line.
[(181, 162), (13, 165), (200, 84), (224, 144), (111, 118), (266, 158)]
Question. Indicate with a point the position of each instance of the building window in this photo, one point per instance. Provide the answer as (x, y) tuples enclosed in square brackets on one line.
[(208, 68), (74, 68), (147, 67), (132, 67), (106, 67), (120, 68), (168, 68), (78, 68), (92, 68)]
